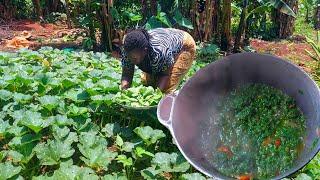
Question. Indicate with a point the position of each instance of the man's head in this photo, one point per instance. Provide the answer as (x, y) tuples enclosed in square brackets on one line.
[(136, 44)]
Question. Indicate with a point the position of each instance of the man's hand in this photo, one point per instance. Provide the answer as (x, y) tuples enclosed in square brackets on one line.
[(125, 84), (163, 82), (126, 78)]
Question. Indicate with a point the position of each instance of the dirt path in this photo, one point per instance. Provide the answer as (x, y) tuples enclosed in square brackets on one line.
[(41, 34), (293, 51)]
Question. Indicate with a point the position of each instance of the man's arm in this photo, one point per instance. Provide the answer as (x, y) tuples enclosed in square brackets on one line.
[(127, 76), (163, 80), (127, 71)]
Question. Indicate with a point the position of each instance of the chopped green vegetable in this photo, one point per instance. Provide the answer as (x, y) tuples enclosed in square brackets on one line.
[(261, 132)]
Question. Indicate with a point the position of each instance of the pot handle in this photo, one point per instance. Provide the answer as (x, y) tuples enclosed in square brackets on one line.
[(165, 108)]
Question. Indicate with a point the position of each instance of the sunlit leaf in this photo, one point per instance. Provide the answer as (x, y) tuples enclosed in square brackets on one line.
[(111, 129), (182, 21), (68, 171), (170, 162), (124, 160), (49, 102), (149, 135), (94, 151), (7, 170), (54, 151)]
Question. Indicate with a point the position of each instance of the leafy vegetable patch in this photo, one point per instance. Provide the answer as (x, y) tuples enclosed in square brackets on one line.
[(60, 119)]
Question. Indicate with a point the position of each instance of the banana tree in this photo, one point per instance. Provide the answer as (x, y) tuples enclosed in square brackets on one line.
[(315, 56), (272, 4), (38, 10), (226, 25), (308, 5), (316, 47), (241, 26), (66, 4), (317, 20), (247, 13), (106, 24), (173, 17), (127, 15), (284, 25)]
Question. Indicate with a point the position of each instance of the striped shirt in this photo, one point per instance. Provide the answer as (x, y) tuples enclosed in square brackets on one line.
[(165, 44)]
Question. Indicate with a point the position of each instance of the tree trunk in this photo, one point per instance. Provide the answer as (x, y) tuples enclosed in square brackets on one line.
[(37, 7), (317, 21), (317, 18), (153, 7), (264, 22), (68, 15), (284, 24), (200, 24), (110, 24), (55, 4), (215, 19), (208, 23), (106, 42), (193, 15), (241, 27), (78, 10), (91, 27), (246, 39), (104, 31), (7, 10), (144, 6), (52, 6), (307, 15), (226, 25)]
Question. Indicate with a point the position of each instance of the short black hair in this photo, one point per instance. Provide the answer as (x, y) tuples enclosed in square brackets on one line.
[(138, 38)]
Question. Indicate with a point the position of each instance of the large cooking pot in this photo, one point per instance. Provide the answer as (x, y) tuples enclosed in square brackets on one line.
[(188, 114)]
